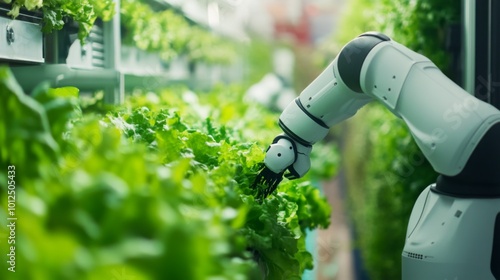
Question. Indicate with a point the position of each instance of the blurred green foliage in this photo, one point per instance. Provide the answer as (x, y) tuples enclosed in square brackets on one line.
[(385, 169), (420, 25), (258, 60), (385, 172), (170, 34), (158, 188)]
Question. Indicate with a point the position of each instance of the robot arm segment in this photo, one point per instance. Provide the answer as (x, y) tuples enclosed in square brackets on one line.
[(446, 122), (324, 103), (281, 154), (284, 154)]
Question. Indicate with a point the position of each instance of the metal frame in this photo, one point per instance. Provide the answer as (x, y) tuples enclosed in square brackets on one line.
[(481, 41)]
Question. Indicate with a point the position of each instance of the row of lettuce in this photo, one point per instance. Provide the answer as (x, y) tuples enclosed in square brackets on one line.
[(157, 188)]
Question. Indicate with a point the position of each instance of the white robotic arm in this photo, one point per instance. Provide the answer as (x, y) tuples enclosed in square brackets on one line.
[(450, 126), (445, 121)]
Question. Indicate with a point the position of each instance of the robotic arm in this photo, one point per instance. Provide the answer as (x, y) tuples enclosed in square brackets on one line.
[(457, 133), (446, 122)]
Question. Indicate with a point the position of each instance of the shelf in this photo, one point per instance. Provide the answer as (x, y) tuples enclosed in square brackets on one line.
[(21, 39), (61, 75)]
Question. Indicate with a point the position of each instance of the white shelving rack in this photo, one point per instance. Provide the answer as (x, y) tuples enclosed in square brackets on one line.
[(64, 60), (102, 63)]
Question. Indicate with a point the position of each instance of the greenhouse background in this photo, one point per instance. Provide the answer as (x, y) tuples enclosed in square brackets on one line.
[(131, 132)]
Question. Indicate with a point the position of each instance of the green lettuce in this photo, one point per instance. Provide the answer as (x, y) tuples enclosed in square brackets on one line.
[(55, 12), (158, 187)]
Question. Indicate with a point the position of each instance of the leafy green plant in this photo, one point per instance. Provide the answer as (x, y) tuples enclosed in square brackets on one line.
[(56, 12), (157, 188), (420, 25)]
